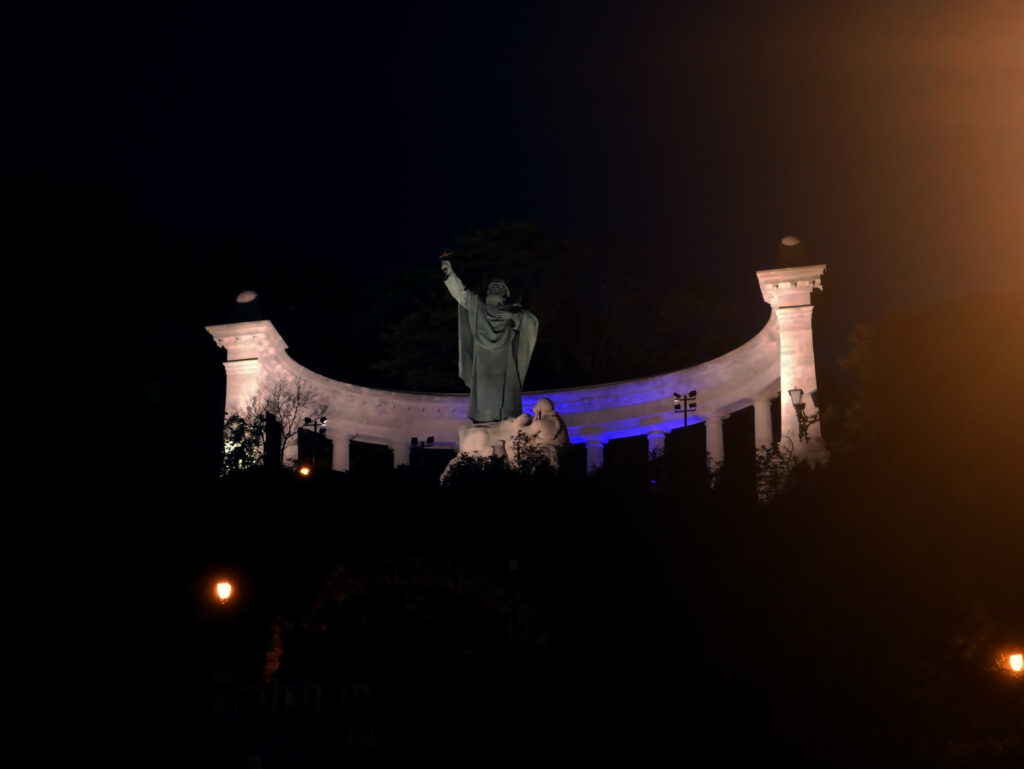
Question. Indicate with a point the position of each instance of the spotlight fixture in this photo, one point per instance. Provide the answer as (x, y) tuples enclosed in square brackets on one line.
[(685, 405), (316, 425)]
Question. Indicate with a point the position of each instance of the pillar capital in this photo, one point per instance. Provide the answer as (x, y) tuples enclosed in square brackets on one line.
[(248, 340), (242, 367), (790, 286)]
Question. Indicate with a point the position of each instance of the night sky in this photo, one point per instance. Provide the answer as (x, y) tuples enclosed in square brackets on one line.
[(888, 136)]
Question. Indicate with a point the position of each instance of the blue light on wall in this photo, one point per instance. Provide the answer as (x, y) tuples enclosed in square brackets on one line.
[(631, 432)]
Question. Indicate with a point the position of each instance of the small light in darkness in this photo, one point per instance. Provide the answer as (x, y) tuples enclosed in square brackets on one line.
[(223, 591)]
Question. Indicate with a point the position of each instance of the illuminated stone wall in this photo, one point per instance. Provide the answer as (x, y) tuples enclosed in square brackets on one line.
[(779, 358)]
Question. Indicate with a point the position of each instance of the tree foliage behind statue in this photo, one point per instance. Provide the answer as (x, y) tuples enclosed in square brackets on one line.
[(606, 313)]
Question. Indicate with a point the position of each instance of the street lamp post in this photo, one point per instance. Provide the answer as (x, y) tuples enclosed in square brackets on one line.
[(318, 427), (797, 396)]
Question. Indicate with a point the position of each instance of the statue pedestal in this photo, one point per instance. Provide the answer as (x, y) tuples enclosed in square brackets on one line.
[(480, 440)]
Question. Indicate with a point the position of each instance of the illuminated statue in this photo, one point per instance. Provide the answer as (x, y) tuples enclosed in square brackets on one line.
[(496, 341)]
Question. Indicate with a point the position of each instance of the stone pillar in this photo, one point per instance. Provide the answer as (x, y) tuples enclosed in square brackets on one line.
[(788, 291), (402, 451), (714, 442), (655, 443), (595, 454), (340, 458), (762, 422)]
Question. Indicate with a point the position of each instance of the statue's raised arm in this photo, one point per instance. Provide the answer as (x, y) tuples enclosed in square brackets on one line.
[(455, 286)]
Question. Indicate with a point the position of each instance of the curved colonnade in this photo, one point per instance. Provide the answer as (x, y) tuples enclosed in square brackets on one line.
[(778, 359)]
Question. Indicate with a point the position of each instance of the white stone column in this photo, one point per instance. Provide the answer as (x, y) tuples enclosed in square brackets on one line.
[(762, 423), (655, 443), (595, 454), (788, 291), (340, 460), (402, 451), (713, 439)]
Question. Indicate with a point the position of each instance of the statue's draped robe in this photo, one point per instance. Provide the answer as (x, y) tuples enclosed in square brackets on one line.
[(495, 346)]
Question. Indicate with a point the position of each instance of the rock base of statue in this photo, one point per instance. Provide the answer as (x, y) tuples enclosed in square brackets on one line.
[(485, 439), (523, 442)]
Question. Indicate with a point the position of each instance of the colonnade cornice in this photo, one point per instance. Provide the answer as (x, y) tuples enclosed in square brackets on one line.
[(702, 376)]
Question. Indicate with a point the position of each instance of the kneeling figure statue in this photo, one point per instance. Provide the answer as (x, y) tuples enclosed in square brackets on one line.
[(523, 443)]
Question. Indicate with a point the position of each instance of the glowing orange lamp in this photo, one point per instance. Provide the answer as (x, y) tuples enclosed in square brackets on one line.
[(1017, 662), (303, 470), (224, 591)]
